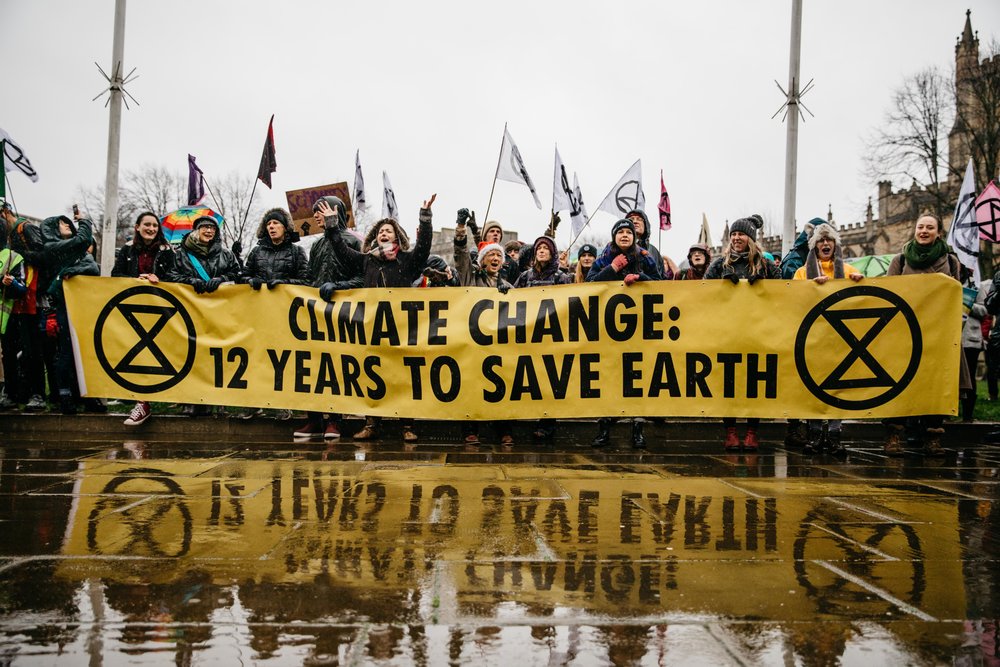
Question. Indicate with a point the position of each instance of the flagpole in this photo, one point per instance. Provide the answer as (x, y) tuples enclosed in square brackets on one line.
[(218, 207), (589, 218), (495, 172), (249, 203)]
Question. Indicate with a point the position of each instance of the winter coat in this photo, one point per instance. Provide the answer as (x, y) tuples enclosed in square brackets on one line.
[(285, 262), (949, 265), (550, 274), (474, 276), (740, 268), (640, 262), (326, 266), (644, 243), (377, 272), (219, 263), (127, 261), (972, 332), (65, 258), (796, 257)]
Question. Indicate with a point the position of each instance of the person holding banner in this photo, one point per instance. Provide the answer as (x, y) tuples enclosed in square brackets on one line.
[(742, 259), (66, 253), (276, 259), (642, 231), (699, 256), (622, 259), (328, 270), (824, 262), (927, 252), (146, 257), (385, 260), (204, 263)]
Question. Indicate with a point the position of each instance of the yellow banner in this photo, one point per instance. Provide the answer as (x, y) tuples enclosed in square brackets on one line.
[(880, 348), (614, 542)]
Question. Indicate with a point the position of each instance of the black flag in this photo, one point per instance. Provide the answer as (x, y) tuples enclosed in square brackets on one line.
[(268, 164)]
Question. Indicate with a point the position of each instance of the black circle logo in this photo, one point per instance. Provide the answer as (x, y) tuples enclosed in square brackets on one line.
[(141, 357), (628, 195), (858, 380)]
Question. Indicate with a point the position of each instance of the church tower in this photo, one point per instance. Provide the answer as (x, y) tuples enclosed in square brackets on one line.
[(967, 69)]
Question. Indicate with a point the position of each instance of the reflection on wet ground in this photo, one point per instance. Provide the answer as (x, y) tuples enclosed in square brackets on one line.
[(272, 553)]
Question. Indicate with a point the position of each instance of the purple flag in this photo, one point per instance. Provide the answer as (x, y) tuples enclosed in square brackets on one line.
[(268, 163), (196, 182)]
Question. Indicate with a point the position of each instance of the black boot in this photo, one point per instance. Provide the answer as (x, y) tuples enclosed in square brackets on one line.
[(836, 448), (603, 438), (638, 441), (815, 444)]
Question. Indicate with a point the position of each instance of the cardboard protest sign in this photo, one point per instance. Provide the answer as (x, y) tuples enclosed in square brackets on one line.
[(300, 203)]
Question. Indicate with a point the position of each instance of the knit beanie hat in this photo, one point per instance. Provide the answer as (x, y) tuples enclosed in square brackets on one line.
[(621, 224), (490, 224), (545, 240), (205, 220), (748, 226), (587, 249), (488, 248)]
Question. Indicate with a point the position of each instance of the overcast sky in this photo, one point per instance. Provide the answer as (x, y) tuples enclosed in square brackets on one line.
[(424, 89)]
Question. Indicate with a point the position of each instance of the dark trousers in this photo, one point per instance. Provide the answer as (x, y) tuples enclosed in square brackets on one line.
[(65, 367), (969, 395), (993, 365)]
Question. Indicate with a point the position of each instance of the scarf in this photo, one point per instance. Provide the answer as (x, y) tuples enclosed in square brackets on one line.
[(921, 256), (814, 266), (386, 256), (194, 246), (146, 257)]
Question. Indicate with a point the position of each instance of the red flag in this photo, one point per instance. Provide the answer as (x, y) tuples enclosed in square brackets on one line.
[(664, 205), (268, 165), (988, 213)]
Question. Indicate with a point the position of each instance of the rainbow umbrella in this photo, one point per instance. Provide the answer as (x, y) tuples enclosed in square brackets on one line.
[(175, 225)]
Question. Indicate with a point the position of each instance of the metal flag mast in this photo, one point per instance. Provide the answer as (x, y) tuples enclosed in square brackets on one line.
[(115, 91), (793, 100)]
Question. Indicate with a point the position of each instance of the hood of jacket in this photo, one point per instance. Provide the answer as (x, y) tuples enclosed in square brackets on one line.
[(291, 236), (645, 220), (50, 228)]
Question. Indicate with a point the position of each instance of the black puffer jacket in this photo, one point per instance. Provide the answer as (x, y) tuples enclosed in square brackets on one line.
[(376, 272), (549, 274), (740, 268), (65, 258), (285, 262), (643, 242), (219, 263), (127, 261)]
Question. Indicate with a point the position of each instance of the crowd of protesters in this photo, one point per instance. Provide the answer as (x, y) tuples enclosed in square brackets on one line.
[(35, 260)]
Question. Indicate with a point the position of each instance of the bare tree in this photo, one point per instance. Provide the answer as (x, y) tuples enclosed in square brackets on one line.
[(978, 115), (231, 198), (154, 188), (911, 144)]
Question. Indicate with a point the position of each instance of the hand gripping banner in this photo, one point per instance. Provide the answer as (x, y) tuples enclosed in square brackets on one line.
[(884, 347)]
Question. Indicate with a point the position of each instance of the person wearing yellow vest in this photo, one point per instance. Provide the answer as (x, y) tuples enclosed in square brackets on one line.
[(824, 263)]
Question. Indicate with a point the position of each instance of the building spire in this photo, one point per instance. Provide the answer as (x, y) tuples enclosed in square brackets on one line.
[(967, 35)]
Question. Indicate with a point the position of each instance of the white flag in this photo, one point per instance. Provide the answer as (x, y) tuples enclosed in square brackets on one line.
[(14, 157), (360, 199), (964, 231), (578, 218), (389, 208), (627, 194), (511, 166)]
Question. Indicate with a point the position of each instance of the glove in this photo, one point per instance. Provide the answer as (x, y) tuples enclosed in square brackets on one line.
[(503, 287), (199, 286), (237, 248), (735, 278), (255, 283), (473, 225), (271, 284), (631, 278), (753, 278), (213, 285), (463, 217), (619, 262), (331, 221), (326, 291), (554, 221)]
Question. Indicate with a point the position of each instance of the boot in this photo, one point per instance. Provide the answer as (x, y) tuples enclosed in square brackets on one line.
[(932, 442), (795, 435), (815, 443), (836, 448), (603, 438), (750, 442), (894, 441), (368, 431), (732, 441), (638, 441)]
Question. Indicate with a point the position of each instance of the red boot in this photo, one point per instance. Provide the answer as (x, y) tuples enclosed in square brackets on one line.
[(732, 441), (750, 442)]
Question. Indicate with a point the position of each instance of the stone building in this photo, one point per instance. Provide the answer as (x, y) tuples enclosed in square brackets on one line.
[(442, 243)]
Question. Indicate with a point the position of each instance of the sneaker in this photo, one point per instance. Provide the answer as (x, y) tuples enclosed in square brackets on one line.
[(7, 404), (836, 447), (751, 442), (283, 415), (732, 441), (332, 432), (35, 404), (140, 413), (472, 439), (507, 440), (894, 442), (310, 429), (409, 435)]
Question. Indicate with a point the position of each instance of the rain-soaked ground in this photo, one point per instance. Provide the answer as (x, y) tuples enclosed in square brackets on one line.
[(216, 550)]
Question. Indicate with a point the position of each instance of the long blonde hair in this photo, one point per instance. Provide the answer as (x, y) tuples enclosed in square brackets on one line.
[(755, 259)]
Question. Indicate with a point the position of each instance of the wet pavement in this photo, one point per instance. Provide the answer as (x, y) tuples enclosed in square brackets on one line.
[(217, 551)]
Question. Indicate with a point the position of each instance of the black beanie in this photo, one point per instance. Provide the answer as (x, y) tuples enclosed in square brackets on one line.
[(748, 226), (621, 224)]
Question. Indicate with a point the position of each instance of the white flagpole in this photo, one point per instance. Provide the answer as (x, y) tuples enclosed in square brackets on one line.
[(792, 139), (109, 236), (495, 172)]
